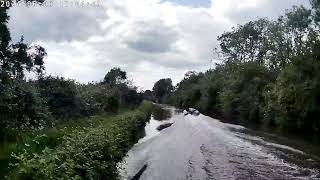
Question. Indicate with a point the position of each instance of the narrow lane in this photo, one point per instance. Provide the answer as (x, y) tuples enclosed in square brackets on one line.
[(199, 147)]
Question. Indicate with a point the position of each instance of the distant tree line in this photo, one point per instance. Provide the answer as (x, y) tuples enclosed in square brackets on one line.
[(46, 100), (270, 74)]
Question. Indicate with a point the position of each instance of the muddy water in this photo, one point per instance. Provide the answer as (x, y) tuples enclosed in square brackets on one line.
[(200, 147)]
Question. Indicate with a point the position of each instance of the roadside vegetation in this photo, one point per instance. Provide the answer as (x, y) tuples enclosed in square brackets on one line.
[(269, 75), (89, 152), (52, 127)]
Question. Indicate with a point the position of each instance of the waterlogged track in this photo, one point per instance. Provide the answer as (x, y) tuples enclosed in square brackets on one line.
[(199, 147)]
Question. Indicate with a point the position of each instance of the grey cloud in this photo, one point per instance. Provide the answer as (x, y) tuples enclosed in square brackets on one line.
[(129, 57), (153, 37), (55, 23), (272, 9)]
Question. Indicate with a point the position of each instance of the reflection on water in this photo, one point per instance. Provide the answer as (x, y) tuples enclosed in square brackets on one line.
[(161, 112)]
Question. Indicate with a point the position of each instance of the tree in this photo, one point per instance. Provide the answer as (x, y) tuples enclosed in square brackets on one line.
[(190, 78), (5, 39), (245, 42), (131, 97), (115, 76), (148, 95), (242, 92), (298, 23), (26, 58), (189, 75), (272, 43), (161, 88), (62, 97), (20, 103), (316, 8)]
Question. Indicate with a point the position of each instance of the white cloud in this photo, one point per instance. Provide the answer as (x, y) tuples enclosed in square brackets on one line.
[(56, 23), (150, 39)]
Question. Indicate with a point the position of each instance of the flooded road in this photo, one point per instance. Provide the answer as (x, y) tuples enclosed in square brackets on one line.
[(200, 147)]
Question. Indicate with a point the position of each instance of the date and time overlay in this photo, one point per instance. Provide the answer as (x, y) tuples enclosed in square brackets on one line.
[(51, 3)]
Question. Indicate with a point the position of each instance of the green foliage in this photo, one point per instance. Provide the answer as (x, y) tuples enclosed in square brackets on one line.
[(67, 99), (128, 94), (115, 76), (26, 104), (246, 42), (316, 8), (131, 97), (5, 37), (62, 97), (85, 153), (18, 59), (270, 74), (213, 93), (162, 88), (94, 97), (23, 108), (242, 94), (197, 90), (112, 104), (294, 98)]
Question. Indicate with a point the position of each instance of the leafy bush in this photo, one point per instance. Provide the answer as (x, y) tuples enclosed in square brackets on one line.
[(94, 97), (22, 107), (62, 97), (85, 153), (294, 98), (242, 95), (111, 104), (132, 97)]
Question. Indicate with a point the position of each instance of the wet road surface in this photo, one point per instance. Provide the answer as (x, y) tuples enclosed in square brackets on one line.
[(200, 147)]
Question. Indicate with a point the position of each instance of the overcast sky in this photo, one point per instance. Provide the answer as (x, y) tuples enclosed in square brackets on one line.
[(150, 39)]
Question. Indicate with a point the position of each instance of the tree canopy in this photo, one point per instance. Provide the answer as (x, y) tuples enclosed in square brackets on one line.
[(115, 76), (162, 88)]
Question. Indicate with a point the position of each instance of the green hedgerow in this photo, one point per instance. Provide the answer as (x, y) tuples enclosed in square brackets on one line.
[(87, 153)]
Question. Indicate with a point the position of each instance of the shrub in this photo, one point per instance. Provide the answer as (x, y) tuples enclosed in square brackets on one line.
[(86, 153), (22, 107), (294, 98), (111, 104), (62, 97), (94, 97)]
